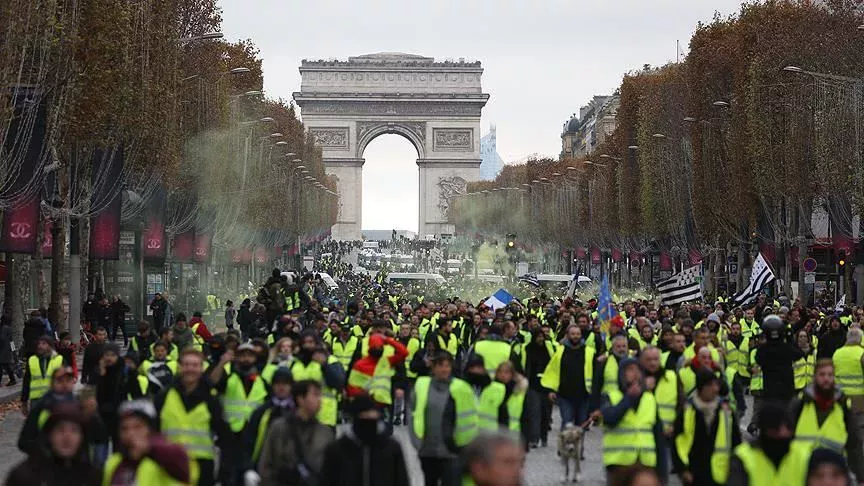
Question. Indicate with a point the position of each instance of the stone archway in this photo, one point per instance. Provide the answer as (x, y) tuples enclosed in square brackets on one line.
[(435, 105)]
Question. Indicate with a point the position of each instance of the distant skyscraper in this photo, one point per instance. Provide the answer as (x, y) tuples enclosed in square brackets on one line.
[(492, 163)]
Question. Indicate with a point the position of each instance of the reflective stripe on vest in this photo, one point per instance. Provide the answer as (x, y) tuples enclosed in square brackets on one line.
[(41, 382), (491, 398), (377, 385), (238, 405), (465, 428), (452, 344), (189, 428), (632, 440), (756, 383), (261, 434), (148, 472), (803, 369), (831, 434), (737, 357), (722, 443), (848, 371), (610, 375)]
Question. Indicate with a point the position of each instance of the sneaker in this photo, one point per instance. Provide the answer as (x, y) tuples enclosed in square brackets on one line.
[(533, 445), (397, 421)]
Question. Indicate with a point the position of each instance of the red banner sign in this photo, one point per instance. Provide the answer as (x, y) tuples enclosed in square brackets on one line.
[(202, 247), (595, 256), (105, 232), (616, 255), (241, 256), (665, 262), (153, 239), (20, 225), (184, 247), (47, 238)]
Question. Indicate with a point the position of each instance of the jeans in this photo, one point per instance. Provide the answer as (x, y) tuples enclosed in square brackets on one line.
[(573, 410), (437, 470), (122, 326)]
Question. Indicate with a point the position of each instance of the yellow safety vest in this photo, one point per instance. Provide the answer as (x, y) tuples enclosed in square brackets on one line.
[(632, 440), (261, 434), (466, 426), (738, 357), (143, 384), (452, 344), (832, 434), (41, 382), (550, 348), (487, 407), (761, 471), (197, 341), (848, 371), (722, 443), (344, 352), (329, 410), (189, 428), (173, 352), (610, 375), (413, 346), (551, 377), (804, 369), (378, 385), (238, 405), (756, 382), (493, 352), (666, 395), (148, 473)]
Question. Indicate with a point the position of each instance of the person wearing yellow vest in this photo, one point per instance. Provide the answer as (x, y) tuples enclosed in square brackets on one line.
[(313, 363), (372, 375), (701, 340), (403, 378), (493, 459), (37, 373), (804, 367), (849, 366), (443, 337), (200, 333), (141, 342), (608, 378), (444, 420), (136, 385), (666, 387), (62, 392), (706, 432), (159, 369), (344, 346), (773, 458), (189, 415), (167, 337), (569, 377), (145, 455), (749, 326), (823, 419), (62, 457), (737, 349), (242, 389), (630, 421), (279, 405)]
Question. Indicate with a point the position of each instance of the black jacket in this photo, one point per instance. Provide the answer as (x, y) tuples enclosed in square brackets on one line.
[(776, 359), (703, 445), (47, 471), (33, 328), (348, 462)]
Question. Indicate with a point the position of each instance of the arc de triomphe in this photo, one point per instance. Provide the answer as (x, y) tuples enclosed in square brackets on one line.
[(435, 105)]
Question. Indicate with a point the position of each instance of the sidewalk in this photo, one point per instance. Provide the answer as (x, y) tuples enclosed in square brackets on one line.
[(10, 393)]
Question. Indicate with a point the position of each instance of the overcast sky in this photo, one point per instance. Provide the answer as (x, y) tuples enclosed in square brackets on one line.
[(543, 59)]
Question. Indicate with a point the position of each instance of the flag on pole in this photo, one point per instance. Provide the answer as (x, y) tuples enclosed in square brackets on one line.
[(760, 277), (499, 299), (571, 287), (530, 279), (681, 287), (841, 304), (605, 307)]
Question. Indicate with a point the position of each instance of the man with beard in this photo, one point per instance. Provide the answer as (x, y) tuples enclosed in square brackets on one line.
[(823, 419), (365, 454), (189, 415), (609, 381), (569, 376), (772, 458)]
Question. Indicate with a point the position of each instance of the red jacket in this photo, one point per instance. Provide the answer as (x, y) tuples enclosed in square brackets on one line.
[(367, 365), (202, 330)]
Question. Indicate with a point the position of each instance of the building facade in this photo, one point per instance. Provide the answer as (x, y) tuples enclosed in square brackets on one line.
[(595, 122), (492, 163)]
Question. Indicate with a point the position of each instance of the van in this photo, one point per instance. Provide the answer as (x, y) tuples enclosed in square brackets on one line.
[(416, 277), (371, 245)]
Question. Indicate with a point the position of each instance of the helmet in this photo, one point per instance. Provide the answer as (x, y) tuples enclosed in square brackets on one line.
[(773, 326)]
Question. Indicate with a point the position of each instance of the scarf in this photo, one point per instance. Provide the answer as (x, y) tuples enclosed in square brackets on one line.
[(708, 409)]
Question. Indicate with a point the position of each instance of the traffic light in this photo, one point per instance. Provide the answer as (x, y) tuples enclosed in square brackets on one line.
[(511, 241), (841, 259)]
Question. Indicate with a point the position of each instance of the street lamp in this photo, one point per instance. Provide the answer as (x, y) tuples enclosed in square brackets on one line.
[(633, 147), (282, 143), (721, 104), (689, 119), (276, 135), (267, 119), (793, 69), (239, 70), (658, 136), (607, 156)]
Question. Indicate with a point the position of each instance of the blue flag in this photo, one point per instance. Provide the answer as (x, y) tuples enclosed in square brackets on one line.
[(605, 308)]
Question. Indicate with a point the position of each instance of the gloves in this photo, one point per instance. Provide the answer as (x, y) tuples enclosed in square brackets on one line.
[(251, 478)]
